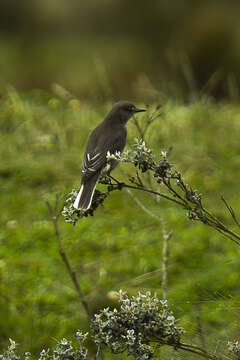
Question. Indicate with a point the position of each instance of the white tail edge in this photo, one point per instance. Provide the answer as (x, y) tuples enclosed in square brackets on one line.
[(90, 202), (77, 200)]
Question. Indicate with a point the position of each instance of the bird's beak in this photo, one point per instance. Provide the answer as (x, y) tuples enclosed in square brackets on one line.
[(139, 110)]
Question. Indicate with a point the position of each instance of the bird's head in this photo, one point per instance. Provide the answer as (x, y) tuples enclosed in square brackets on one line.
[(123, 110)]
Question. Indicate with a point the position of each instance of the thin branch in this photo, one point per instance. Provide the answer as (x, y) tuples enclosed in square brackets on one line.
[(139, 129), (218, 225), (142, 206), (193, 349), (194, 208), (165, 255), (166, 237), (198, 351), (142, 133), (139, 179), (148, 121), (167, 183), (200, 327), (124, 185), (231, 211), (174, 354), (54, 216), (211, 220)]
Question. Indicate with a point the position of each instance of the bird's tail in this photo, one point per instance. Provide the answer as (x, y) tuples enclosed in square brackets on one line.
[(85, 195)]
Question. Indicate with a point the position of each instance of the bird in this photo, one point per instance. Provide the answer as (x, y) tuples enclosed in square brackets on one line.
[(108, 137)]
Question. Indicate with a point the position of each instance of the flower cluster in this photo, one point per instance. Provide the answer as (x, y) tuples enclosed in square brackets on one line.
[(64, 350), (140, 322), (234, 348), (10, 353), (143, 159), (72, 215), (141, 156), (69, 212)]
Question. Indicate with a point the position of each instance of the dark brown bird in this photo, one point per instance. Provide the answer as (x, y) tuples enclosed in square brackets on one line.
[(110, 136)]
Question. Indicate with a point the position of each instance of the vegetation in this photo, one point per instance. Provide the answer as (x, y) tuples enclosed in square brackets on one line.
[(43, 137)]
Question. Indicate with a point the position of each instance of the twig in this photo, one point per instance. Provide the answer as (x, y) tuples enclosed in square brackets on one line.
[(193, 349), (166, 237), (230, 209), (196, 210), (54, 216), (174, 354), (124, 185), (198, 351), (209, 219), (139, 129), (212, 220), (199, 326), (165, 255), (142, 206)]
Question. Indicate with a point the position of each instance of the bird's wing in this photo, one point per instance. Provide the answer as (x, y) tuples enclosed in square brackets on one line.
[(93, 163), (96, 160)]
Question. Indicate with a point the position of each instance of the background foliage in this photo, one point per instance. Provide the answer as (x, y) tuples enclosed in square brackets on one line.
[(120, 247), (178, 47)]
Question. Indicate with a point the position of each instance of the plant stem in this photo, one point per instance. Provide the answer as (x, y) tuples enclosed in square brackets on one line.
[(198, 351), (54, 216)]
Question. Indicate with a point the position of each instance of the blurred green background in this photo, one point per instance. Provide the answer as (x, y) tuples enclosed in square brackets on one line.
[(120, 48), (62, 65)]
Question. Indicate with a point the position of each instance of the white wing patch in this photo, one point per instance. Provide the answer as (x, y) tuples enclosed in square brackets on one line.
[(94, 157), (91, 163)]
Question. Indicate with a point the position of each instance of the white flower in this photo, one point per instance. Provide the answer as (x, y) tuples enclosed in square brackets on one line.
[(115, 156)]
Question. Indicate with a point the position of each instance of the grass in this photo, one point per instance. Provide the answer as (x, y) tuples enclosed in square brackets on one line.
[(42, 142)]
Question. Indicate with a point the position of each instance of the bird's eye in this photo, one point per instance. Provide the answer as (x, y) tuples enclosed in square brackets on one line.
[(130, 108)]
